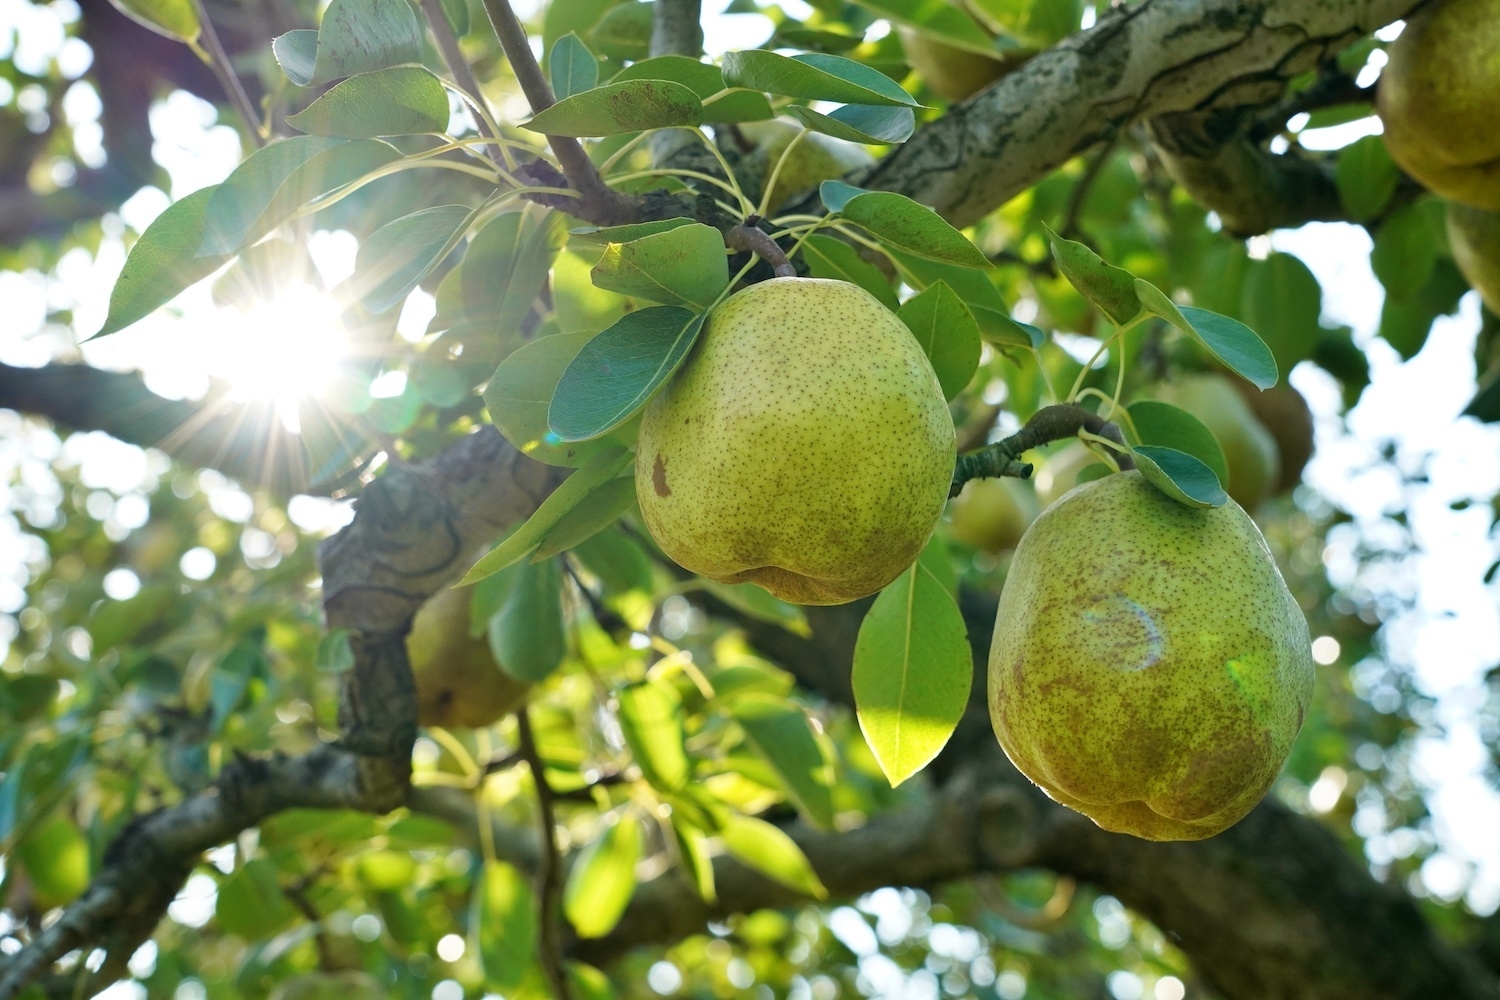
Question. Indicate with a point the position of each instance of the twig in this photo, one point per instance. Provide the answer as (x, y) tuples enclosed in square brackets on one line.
[(605, 206), (549, 873), (463, 73), (586, 793), (297, 894), (218, 61), (749, 237), (1050, 423), (1081, 190)]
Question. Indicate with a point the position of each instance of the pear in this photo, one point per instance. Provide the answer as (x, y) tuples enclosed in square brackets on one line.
[(805, 445), (993, 514), (1474, 235), (1150, 669), (1283, 412), (817, 158), (458, 682), (1439, 99), (1249, 449), (952, 73)]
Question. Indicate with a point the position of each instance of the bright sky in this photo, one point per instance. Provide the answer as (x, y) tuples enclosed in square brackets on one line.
[(1448, 638)]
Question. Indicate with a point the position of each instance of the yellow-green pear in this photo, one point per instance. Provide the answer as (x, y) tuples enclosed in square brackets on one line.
[(1439, 99), (1474, 235), (1249, 449), (805, 445), (952, 73), (993, 514), (1283, 412), (1150, 669), (458, 682), (815, 159)]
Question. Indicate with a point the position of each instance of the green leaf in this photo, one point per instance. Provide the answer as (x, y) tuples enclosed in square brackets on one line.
[(1110, 288), (1405, 251), (527, 635), (237, 204), (827, 257), (859, 122), (896, 219), (701, 78), (163, 262), (576, 16), (812, 76), (780, 732), (948, 333), (398, 255), (946, 22), (624, 32), (912, 672), (619, 563), (837, 194), (572, 67), (174, 18), (1156, 423), (692, 846), (361, 36), (977, 292), (502, 918), (768, 850), (603, 879), (296, 53), (603, 466), (650, 714), (520, 393), (685, 265), (1180, 476), (1229, 340), (406, 100), (604, 235), (505, 268), (1366, 177), (251, 904), (1282, 301), (619, 370), (737, 105), (1405, 323), (593, 514), (617, 108)]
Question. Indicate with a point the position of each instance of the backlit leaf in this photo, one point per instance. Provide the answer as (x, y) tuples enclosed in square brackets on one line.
[(650, 716), (780, 732), (527, 635), (771, 852), (912, 672), (686, 265), (163, 262), (617, 108), (502, 924), (398, 255), (405, 100), (948, 334), (602, 880)]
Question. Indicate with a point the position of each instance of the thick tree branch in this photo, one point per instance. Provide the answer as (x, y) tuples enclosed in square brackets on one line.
[(245, 441), (1148, 59)]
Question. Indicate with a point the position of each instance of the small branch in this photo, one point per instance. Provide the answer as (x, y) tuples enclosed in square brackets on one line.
[(1081, 190), (218, 61), (748, 237), (602, 204), (549, 874), (1050, 423), (458, 65), (297, 894)]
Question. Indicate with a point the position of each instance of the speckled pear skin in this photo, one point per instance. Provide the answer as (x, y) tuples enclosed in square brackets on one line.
[(805, 445), (1150, 669)]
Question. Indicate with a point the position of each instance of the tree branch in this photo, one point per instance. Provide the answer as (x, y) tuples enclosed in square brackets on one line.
[(1050, 423), (218, 61), (549, 873), (601, 204), (1140, 61)]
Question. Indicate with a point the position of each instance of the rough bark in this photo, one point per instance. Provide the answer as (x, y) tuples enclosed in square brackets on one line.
[(1138, 62)]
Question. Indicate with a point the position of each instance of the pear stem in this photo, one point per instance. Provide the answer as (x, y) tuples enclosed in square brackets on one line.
[(748, 236), (1050, 423)]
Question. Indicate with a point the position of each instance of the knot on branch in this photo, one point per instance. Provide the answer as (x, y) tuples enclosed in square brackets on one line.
[(1050, 423)]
